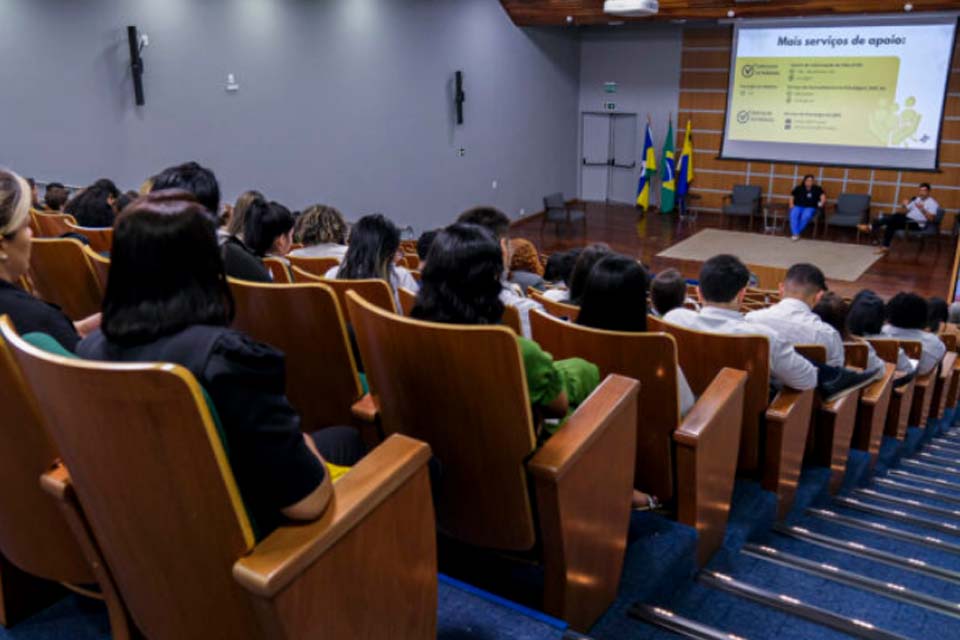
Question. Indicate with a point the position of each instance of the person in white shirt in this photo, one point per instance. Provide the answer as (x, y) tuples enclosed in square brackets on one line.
[(865, 320), (917, 213), (323, 232), (793, 318), (723, 284), (906, 318), (498, 224)]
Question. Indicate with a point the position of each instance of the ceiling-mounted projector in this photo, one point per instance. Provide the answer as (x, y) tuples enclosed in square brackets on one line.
[(631, 7)]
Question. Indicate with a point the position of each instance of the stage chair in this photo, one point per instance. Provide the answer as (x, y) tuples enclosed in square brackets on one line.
[(101, 238), (929, 232), (560, 212), (62, 275), (306, 323), (744, 201), (375, 290), (898, 415), (467, 397), (53, 225), (278, 269), (832, 425), (314, 266), (557, 309), (874, 402), (692, 459), (850, 210), (140, 440), (784, 422), (39, 547)]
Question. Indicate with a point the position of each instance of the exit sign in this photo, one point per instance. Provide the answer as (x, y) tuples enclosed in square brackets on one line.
[(610, 106)]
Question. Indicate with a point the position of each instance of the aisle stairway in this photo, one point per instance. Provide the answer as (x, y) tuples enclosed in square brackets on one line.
[(879, 560)]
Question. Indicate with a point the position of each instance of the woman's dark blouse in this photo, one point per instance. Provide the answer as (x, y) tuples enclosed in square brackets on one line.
[(246, 382), (30, 314), (807, 199), (241, 263)]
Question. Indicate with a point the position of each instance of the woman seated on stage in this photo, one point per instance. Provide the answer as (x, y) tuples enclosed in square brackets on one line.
[(805, 199), (168, 301), (461, 285)]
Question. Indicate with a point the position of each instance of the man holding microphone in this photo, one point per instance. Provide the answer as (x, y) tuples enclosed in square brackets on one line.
[(917, 213)]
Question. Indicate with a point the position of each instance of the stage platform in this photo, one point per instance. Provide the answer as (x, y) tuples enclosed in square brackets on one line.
[(647, 236)]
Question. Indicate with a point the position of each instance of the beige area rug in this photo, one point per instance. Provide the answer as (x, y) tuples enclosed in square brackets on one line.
[(838, 260)]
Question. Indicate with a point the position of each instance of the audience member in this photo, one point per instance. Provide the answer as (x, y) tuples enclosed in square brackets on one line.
[(29, 314), (34, 195), (668, 291), (55, 196), (793, 320), (461, 284), (954, 313), (92, 207), (168, 301), (525, 267), (498, 224), (723, 283), (125, 199), (937, 314), (906, 320), (238, 216), (557, 274), (269, 231), (241, 260), (581, 269), (424, 242), (865, 321), (323, 233), (194, 178), (832, 309)]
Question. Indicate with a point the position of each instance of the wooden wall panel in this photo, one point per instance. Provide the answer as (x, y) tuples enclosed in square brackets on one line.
[(709, 48)]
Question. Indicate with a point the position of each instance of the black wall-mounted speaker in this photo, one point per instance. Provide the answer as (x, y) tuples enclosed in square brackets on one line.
[(459, 97), (136, 65)]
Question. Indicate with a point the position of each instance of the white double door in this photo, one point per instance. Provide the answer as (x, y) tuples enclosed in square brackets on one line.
[(608, 162)]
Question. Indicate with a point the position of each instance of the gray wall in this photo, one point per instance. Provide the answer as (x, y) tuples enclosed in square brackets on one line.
[(347, 102), (644, 61)]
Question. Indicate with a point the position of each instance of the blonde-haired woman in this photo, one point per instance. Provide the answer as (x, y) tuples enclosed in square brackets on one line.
[(322, 231), (29, 314)]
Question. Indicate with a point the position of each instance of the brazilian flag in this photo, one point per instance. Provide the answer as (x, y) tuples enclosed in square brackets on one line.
[(668, 179)]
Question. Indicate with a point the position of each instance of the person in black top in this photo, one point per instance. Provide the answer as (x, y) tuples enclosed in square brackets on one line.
[(29, 314), (804, 202), (167, 300), (265, 225)]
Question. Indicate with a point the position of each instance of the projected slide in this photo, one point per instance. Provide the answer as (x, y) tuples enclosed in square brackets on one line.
[(849, 94)]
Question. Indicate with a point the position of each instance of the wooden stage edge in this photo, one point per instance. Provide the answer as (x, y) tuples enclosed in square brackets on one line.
[(626, 230)]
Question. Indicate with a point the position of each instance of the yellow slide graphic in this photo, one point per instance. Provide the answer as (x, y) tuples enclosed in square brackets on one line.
[(845, 101)]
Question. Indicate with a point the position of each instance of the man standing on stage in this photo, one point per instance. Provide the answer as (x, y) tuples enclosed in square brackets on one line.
[(917, 213)]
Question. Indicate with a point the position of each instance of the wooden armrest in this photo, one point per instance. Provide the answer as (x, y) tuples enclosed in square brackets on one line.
[(56, 482), (787, 425), (586, 425), (947, 364), (702, 417), (785, 404), (291, 550), (872, 394), (366, 409)]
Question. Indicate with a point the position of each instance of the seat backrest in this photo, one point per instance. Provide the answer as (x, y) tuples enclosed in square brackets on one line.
[(101, 238), (278, 269), (52, 225), (100, 264), (407, 300), (148, 466), (768, 277), (856, 354), (650, 358), (853, 203), (314, 266), (375, 290), (702, 355), (746, 194), (305, 322), (33, 532), (558, 309), (553, 201), (62, 274), (467, 398)]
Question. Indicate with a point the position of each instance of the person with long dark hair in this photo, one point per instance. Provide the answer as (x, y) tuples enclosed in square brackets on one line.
[(906, 320), (268, 229), (167, 300), (805, 199), (461, 284)]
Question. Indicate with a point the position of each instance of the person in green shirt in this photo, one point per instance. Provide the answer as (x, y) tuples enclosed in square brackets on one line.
[(461, 284)]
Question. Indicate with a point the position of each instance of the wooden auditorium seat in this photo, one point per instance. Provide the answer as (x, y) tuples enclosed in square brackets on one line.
[(874, 402), (947, 378), (951, 342), (101, 238), (373, 289), (691, 459), (62, 274), (35, 536), (313, 266), (149, 468), (101, 267), (923, 392), (407, 300), (568, 501), (784, 422), (769, 279), (556, 309), (832, 425), (278, 269), (898, 415), (52, 225), (306, 323)]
